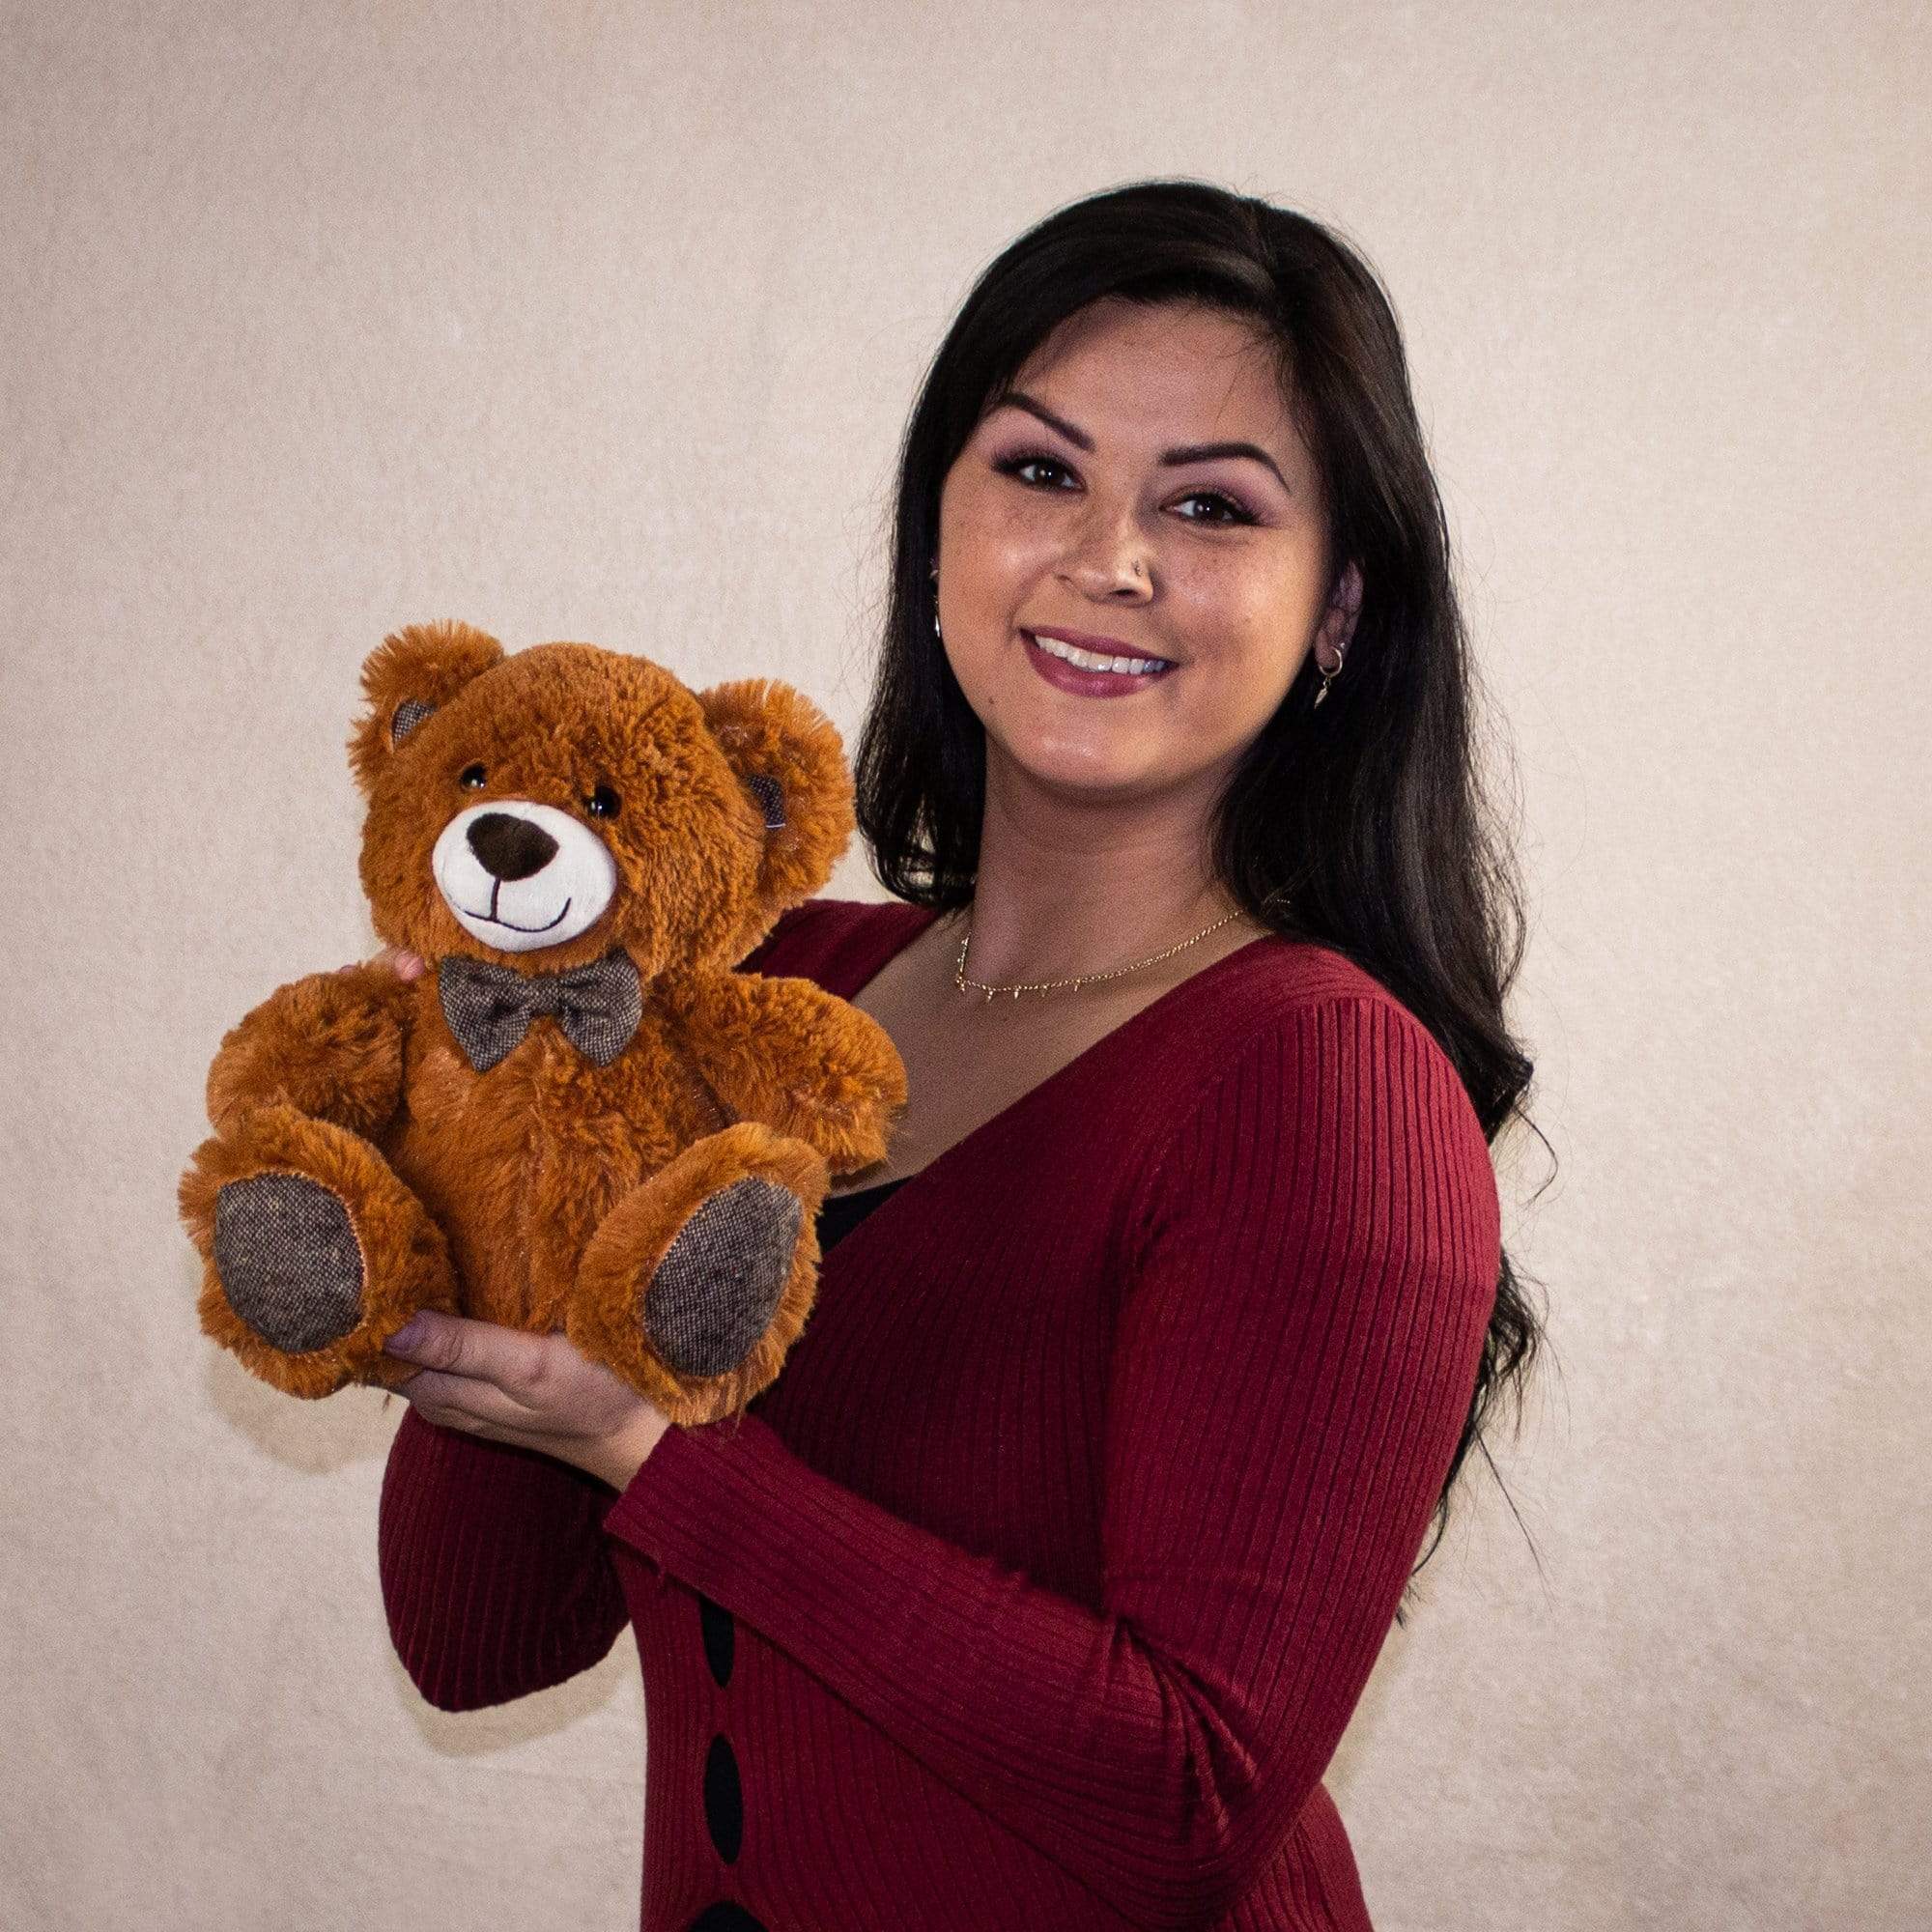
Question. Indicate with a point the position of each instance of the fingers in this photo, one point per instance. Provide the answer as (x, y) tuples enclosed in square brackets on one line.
[(404, 964), (479, 1349), (464, 1401), (470, 1374), (536, 1391)]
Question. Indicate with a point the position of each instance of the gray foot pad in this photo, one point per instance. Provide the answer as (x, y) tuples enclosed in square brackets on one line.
[(289, 1261), (719, 1285)]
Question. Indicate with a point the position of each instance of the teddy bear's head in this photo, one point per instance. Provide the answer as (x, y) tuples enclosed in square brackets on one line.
[(542, 810)]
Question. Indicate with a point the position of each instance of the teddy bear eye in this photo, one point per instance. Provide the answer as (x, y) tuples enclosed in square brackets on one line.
[(471, 777), (603, 802)]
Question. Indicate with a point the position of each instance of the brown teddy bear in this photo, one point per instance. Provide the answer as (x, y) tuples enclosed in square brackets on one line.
[(580, 1116)]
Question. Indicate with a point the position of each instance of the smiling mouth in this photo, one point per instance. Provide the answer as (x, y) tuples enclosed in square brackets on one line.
[(510, 926), (1108, 662)]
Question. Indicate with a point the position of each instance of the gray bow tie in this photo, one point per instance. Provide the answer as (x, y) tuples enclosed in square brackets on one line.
[(489, 1008)]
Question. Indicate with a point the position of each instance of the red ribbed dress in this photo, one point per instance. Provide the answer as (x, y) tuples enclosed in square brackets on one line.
[(1036, 1591)]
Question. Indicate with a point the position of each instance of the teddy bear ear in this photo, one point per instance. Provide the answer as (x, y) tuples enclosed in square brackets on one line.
[(788, 756), (405, 678)]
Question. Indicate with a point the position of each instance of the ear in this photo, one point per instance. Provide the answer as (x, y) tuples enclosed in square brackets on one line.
[(788, 755), (405, 678), (1338, 621)]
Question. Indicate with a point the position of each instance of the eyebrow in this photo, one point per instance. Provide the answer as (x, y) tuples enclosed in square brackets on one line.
[(1192, 452)]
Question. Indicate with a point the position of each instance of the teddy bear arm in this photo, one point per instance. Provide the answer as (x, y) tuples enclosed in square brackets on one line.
[(785, 1052), (329, 1045)]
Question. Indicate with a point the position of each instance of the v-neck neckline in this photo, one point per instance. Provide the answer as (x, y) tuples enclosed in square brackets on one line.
[(923, 916)]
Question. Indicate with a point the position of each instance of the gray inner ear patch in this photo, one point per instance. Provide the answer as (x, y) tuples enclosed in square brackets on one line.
[(770, 795), (410, 713), (719, 1283), (289, 1261)]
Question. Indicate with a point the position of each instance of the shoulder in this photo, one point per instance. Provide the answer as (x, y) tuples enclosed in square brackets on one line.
[(1315, 1097), (1276, 989), (1297, 1039), (834, 940)]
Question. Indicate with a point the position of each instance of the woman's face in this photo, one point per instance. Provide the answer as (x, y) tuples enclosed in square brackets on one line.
[(1090, 507)]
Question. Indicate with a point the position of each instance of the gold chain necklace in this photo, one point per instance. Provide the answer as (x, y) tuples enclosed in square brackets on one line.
[(965, 984)]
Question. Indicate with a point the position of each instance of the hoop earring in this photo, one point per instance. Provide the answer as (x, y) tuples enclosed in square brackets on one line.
[(1329, 677)]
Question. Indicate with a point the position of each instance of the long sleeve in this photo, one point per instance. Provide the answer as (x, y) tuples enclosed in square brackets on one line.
[(1313, 1258), (495, 1573)]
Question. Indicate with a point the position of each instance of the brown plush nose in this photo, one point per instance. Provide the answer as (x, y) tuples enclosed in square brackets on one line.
[(510, 848)]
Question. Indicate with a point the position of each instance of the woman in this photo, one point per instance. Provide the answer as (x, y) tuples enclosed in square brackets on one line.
[(1039, 1589)]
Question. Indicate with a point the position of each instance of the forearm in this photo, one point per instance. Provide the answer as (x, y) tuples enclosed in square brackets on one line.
[(1141, 1768), (495, 1577)]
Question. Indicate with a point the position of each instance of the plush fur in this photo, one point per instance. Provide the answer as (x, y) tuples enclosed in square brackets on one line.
[(543, 1192)]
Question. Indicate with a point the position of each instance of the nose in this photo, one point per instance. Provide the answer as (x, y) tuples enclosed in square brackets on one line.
[(1109, 561), (510, 848)]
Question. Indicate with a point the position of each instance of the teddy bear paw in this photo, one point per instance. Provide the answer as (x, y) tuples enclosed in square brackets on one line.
[(721, 1281), (289, 1262)]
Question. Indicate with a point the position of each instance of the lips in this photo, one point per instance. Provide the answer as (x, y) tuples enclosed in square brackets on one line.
[(1088, 680), (1086, 641)]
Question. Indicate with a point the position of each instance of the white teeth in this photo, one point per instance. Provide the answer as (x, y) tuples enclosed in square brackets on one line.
[(1092, 660)]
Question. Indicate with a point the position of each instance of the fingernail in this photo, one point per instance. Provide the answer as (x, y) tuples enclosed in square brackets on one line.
[(408, 1336)]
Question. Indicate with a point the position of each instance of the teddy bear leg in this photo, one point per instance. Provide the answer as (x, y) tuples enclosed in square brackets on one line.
[(315, 1252), (696, 1284)]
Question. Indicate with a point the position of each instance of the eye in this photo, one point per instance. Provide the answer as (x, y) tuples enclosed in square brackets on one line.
[(472, 778), (603, 802), (1238, 513), (1031, 459), (1225, 509)]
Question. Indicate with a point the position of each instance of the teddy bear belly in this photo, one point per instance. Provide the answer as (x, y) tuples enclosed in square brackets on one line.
[(519, 1170)]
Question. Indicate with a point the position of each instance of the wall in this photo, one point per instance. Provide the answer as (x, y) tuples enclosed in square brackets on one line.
[(602, 322)]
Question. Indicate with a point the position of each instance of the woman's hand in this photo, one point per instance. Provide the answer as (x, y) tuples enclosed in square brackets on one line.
[(534, 1390), (405, 965)]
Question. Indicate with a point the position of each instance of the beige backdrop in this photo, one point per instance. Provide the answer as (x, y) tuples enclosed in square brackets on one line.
[(602, 320)]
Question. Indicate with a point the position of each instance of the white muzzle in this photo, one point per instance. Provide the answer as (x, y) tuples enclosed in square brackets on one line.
[(521, 877)]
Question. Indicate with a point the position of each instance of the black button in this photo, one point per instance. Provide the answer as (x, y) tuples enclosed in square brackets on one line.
[(723, 1798), (716, 1625), (724, 1917)]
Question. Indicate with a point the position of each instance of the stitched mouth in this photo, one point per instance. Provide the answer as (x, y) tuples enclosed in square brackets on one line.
[(509, 925)]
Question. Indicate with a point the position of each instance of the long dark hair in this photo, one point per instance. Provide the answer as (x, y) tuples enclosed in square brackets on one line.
[(1364, 828)]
